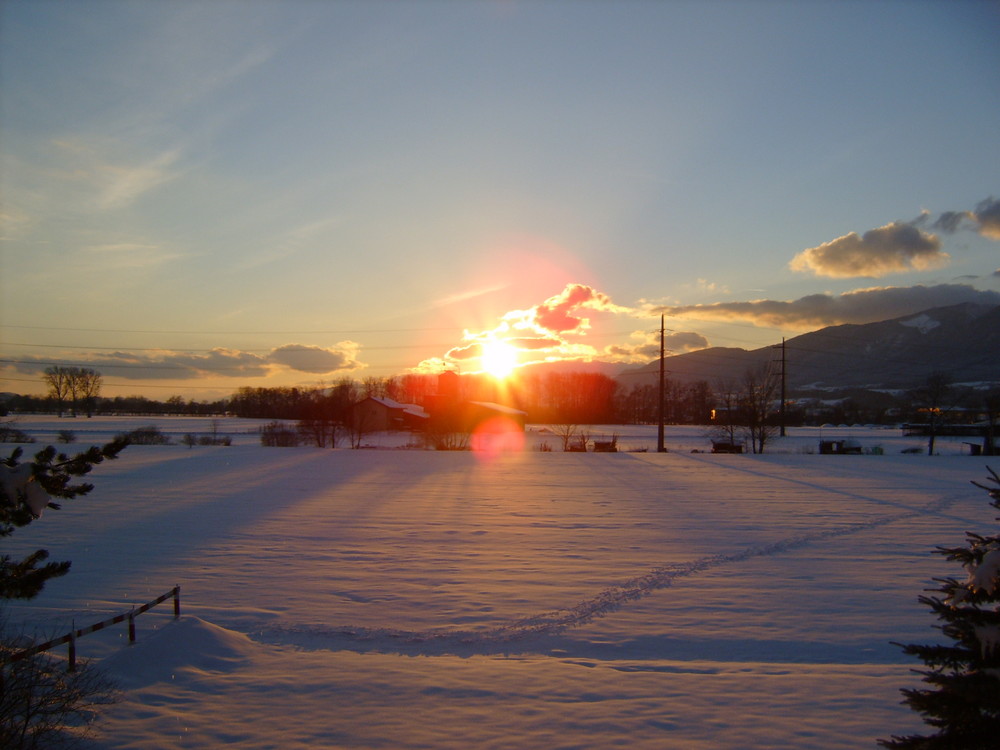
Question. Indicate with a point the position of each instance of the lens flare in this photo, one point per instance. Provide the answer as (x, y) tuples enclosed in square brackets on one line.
[(500, 435)]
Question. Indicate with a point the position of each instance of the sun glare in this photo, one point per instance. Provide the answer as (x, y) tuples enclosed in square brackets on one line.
[(498, 359)]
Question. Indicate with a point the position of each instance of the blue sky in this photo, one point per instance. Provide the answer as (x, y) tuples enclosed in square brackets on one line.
[(203, 195)]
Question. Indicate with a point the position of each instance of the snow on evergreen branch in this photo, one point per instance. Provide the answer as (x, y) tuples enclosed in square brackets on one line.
[(985, 576)]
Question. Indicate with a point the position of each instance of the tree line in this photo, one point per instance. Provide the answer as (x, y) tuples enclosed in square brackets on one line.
[(564, 397), (747, 409), (118, 405), (553, 397)]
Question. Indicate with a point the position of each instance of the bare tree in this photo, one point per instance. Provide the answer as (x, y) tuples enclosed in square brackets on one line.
[(322, 432), (75, 384), (58, 380), (725, 417), (991, 402), (565, 432), (392, 387), (374, 387), (88, 387), (932, 397), (760, 388), (359, 421)]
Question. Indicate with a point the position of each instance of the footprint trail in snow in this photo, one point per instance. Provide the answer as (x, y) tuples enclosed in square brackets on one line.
[(558, 621)]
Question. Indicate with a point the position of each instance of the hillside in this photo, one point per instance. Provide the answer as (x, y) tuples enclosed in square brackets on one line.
[(963, 340)]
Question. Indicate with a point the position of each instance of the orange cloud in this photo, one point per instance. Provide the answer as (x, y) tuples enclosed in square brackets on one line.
[(559, 314), (550, 331)]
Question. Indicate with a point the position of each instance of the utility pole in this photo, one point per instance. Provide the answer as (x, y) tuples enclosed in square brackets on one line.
[(660, 448), (782, 413)]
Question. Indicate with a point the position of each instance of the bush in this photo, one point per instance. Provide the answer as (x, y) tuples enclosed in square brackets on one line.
[(150, 435), (44, 706), (321, 432), (278, 435), (191, 440), (215, 440), (10, 434), (66, 436), (448, 441)]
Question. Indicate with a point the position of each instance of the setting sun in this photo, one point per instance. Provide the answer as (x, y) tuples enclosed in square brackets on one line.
[(498, 358)]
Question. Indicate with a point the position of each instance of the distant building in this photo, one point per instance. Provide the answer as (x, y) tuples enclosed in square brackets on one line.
[(382, 414), (449, 412)]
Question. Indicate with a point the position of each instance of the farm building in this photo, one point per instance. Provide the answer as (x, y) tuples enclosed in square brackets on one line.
[(380, 414)]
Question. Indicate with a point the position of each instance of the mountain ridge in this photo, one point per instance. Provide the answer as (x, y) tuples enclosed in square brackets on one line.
[(962, 340)]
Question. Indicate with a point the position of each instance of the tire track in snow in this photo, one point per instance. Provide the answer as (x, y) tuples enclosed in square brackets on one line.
[(557, 621)]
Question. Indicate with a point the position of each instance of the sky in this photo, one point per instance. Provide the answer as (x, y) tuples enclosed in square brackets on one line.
[(199, 196)]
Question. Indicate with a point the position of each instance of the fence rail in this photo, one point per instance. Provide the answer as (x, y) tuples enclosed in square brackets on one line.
[(72, 635)]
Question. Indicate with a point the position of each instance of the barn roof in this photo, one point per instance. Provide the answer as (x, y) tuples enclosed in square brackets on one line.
[(499, 408)]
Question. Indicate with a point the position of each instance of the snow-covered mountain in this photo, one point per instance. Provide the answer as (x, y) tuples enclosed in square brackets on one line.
[(962, 340)]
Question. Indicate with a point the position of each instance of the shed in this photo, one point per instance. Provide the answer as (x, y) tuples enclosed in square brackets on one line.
[(380, 414), (719, 446), (839, 447)]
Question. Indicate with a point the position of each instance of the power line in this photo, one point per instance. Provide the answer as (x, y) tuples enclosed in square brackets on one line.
[(232, 333), (174, 350)]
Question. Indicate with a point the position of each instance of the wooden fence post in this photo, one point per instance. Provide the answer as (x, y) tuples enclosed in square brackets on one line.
[(71, 637), (72, 649)]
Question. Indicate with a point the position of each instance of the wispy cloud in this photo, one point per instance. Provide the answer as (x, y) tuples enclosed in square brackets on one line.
[(13, 223), (704, 286), (122, 184), (454, 299), (112, 181), (129, 255), (984, 219), (293, 241)]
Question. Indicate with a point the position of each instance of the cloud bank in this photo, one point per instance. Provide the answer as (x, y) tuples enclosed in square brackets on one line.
[(218, 362), (818, 310), (897, 247), (878, 252), (647, 347)]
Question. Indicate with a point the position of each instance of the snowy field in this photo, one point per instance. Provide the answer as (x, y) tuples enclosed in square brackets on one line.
[(528, 599)]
